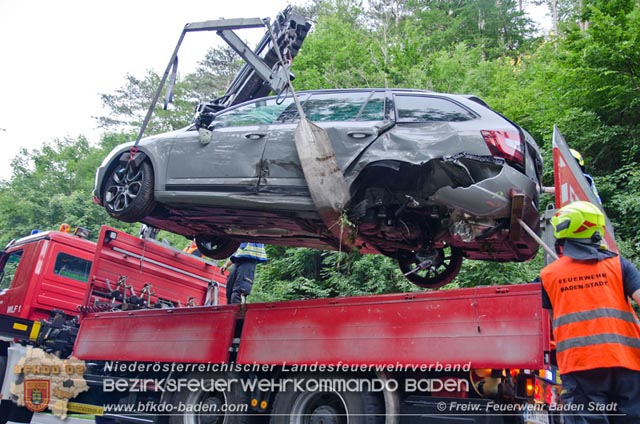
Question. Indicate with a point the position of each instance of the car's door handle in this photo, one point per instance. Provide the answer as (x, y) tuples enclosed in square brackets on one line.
[(254, 136), (359, 134)]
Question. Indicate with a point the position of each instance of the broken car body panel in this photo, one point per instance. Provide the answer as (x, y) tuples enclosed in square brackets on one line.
[(415, 178)]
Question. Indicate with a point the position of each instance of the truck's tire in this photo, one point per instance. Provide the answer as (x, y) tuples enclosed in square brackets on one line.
[(327, 405), (5, 404), (233, 397), (9, 411), (3, 367), (15, 413), (128, 193)]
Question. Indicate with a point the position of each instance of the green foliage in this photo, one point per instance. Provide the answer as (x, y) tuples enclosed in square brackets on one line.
[(485, 273), (53, 185), (584, 80), (301, 273), (128, 106)]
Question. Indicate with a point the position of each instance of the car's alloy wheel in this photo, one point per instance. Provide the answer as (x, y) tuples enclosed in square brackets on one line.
[(216, 248), (128, 193), (431, 268)]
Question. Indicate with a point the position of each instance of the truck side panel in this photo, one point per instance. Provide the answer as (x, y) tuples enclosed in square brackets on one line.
[(174, 276), (492, 327), (488, 327), (195, 335)]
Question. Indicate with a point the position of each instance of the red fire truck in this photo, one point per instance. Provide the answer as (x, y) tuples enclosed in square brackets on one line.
[(476, 355), (50, 278)]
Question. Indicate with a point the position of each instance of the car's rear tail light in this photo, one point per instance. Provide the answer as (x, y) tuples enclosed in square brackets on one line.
[(505, 144)]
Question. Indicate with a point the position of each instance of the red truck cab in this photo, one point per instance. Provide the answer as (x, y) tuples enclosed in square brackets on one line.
[(49, 280), (44, 272)]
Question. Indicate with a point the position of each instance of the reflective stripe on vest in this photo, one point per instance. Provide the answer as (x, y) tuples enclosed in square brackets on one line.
[(593, 314), (251, 251), (594, 325), (598, 339)]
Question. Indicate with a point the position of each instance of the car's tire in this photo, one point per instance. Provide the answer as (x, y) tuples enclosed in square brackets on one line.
[(432, 268), (216, 248), (231, 397), (128, 193), (328, 405)]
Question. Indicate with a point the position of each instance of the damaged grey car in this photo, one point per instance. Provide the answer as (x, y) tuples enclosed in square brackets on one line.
[(433, 178)]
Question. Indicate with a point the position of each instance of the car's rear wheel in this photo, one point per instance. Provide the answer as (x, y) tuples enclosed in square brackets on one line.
[(431, 268), (216, 248), (128, 193)]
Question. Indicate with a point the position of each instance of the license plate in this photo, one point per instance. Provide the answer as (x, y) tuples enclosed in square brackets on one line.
[(536, 417)]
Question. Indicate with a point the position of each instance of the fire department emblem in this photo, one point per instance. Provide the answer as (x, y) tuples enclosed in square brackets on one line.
[(44, 381), (36, 394)]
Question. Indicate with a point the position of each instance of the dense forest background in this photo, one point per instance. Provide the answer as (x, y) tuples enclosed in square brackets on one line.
[(583, 76)]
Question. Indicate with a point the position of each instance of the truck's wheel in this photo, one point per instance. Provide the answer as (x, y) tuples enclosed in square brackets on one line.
[(128, 194), (328, 404), (3, 366), (230, 405)]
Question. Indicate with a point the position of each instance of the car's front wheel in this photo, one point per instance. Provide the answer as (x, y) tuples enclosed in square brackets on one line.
[(216, 248), (128, 193), (431, 268)]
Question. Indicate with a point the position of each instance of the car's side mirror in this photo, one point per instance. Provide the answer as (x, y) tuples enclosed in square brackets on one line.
[(205, 135)]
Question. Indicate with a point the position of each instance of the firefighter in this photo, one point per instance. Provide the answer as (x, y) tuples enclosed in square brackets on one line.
[(242, 274), (592, 184), (192, 249), (595, 328)]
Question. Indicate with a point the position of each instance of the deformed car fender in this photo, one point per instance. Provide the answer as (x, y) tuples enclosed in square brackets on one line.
[(137, 159), (489, 198)]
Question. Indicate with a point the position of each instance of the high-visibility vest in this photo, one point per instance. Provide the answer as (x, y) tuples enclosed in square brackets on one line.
[(594, 325), (251, 251)]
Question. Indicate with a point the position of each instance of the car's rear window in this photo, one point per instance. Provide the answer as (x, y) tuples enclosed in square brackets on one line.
[(429, 108)]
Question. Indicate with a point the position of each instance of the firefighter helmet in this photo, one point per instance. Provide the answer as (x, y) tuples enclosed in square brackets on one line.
[(576, 154), (578, 220)]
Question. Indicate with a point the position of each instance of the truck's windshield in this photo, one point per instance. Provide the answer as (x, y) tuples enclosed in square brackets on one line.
[(8, 271)]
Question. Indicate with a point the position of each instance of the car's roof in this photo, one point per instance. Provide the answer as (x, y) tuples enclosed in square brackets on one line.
[(469, 97), (392, 90)]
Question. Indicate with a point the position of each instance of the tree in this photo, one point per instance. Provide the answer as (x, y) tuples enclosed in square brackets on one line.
[(584, 80), (52, 185), (129, 104)]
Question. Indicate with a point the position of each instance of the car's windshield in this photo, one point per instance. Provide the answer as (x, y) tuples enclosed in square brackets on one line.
[(336, 107), (260, 112), (318, 107)]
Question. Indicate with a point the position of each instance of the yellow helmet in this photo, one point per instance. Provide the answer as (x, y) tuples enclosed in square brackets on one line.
[(576, 154), (578, 220)]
